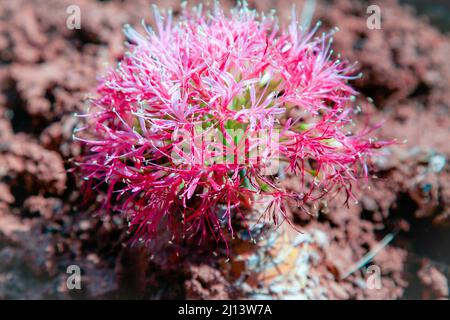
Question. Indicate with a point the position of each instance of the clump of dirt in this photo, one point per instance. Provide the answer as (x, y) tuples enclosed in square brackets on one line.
[(434, 281), (46, 71)]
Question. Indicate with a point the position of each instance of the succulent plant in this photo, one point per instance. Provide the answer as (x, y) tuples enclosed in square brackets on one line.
[(206, 115)]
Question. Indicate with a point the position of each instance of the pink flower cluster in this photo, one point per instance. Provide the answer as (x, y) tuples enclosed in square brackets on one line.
[(184, 130)]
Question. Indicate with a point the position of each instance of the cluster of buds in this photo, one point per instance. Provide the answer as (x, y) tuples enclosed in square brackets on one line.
[(205, 115)]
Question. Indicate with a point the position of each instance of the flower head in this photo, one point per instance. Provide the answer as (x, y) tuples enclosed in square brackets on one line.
[(207, 114)]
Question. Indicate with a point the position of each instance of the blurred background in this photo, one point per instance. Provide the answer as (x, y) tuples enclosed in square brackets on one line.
[(400, 225)]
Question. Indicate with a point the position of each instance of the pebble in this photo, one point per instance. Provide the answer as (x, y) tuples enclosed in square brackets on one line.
[(437, 163)]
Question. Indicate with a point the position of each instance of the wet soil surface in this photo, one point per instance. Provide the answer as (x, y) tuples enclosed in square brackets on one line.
[(46, 71)]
